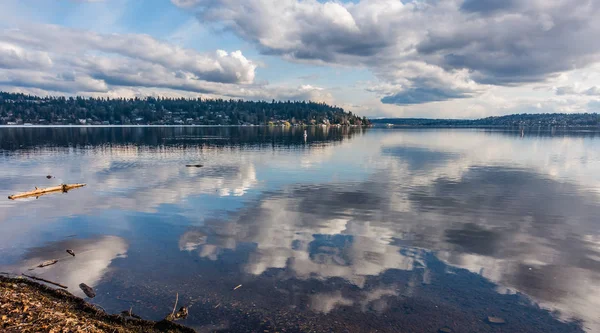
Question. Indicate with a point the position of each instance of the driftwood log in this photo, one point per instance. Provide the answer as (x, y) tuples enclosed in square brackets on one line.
[(41, 191), (48, 263)]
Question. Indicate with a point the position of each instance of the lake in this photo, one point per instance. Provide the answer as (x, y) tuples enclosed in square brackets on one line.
[(346, 230)]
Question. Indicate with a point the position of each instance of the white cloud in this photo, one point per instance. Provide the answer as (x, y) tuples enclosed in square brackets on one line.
[(485, 41), (52, 59), (73, 46), (14, 56), (453, 56)]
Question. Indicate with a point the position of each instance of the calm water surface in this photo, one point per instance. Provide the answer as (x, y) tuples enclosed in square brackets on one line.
[(346, 231)]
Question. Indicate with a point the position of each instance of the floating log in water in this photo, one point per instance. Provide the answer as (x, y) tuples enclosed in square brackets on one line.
[(194, 165), (44, 280), (71, 252), (41, 191), (48, 263)]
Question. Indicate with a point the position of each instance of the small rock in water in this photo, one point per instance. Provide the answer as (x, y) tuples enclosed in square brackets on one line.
[(182, 313), (49, 177), (71, 252), (89, 292), (445, 330), (496, 320), (194, 165)]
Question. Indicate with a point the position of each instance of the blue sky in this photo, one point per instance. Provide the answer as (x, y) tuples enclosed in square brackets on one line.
[(426, 58)]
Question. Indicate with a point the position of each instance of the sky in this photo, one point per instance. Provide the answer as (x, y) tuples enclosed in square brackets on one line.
[(376, 58)]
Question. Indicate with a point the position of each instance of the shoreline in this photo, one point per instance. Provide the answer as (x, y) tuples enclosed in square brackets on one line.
[(28, 306), (374, 126)]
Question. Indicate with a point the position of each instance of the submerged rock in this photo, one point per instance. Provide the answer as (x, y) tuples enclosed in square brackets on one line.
[(87, 290), (496, 320), (182, 313)]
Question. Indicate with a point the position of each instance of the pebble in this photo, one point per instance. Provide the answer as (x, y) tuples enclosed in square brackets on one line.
[(496, 320)]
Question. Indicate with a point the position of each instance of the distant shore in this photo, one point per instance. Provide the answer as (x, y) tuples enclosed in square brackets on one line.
[(149, 125), (512, 127), (373, 126)]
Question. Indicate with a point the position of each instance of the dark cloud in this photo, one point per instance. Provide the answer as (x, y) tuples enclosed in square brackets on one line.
[(422, 95), (496, 42), (525, 45), (572, 90)]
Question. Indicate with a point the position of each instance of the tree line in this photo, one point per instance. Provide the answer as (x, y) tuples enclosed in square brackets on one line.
[(17, 108), (513, 120)]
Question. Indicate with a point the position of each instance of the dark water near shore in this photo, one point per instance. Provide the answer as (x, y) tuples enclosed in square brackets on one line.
[(349, 230)]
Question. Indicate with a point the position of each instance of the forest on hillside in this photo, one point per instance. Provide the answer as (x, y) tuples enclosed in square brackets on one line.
[(16, 109), (513, 120)]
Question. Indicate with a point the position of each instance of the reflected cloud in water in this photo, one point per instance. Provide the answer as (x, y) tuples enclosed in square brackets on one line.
[(92, 260), (522, 230), (401, 225)]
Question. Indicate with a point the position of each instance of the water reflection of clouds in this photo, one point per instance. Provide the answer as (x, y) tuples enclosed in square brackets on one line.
[(142, 179), (91, 262), (517, 211), (518, 228), (303, 230), (572, 158)]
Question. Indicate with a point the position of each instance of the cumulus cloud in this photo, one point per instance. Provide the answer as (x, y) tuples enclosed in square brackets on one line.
[(14, 56), (306, 92), (417, 82), (70, 60), (51, 59), (494, 42)]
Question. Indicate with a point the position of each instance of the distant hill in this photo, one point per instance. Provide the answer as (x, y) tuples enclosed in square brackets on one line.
[(26, 109), (513, 120)]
